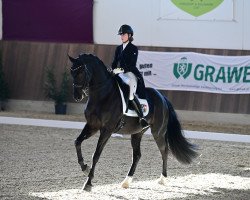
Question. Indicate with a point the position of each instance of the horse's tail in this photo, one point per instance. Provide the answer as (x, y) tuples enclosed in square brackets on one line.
[(179, 145)]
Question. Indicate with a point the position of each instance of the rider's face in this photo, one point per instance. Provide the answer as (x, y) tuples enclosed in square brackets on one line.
[(124, 37)]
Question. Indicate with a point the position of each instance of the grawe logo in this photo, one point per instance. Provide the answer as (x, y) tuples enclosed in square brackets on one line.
[(183, 68)]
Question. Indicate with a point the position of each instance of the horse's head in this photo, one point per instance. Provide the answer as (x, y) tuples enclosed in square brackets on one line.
[(81, 75)]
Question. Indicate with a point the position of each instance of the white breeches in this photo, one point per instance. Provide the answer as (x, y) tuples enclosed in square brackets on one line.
[(129, 79)]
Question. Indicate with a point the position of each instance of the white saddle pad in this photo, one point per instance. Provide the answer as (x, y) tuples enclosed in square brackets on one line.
[(132, 113)]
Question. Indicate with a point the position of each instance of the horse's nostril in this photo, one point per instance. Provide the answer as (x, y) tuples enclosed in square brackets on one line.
[(79, 98)]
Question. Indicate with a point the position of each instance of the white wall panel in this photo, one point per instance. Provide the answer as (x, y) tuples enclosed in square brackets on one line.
[(246, 31), (109, 15), (151, 30)]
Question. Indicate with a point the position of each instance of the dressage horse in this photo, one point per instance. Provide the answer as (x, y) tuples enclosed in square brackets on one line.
[(104, 112)]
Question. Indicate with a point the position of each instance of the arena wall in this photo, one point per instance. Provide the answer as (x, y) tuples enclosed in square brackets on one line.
[(24, 65)]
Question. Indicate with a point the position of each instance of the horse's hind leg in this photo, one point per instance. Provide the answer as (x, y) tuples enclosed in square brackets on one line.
[(136, 143), (85, 134), (162, 145)]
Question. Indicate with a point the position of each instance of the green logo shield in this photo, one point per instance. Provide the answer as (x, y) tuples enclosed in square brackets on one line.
[(182, 68), (197, 8)]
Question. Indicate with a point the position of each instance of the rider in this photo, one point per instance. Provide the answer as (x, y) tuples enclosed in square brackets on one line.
[(124, 64)]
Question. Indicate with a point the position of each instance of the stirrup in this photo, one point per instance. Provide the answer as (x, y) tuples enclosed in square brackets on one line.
[(144, 123)]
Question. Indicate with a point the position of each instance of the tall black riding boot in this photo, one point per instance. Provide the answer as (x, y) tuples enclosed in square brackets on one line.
[(137, 106)]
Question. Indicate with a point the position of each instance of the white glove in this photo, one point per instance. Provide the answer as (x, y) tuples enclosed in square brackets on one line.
[(118, 70)]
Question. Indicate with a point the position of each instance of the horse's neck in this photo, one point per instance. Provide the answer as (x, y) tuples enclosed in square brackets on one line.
[(103, 91), (99, 77), (101, 83)]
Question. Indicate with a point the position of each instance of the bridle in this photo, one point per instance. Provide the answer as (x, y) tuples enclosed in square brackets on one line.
[(84, 88), (85, 85)]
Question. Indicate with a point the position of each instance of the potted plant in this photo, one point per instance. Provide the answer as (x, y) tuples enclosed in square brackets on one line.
[(58, 93), (4, 90)]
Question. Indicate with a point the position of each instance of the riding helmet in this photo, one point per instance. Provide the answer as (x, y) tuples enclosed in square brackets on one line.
[(125, 29)]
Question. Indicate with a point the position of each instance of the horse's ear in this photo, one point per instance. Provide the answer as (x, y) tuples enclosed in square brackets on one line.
[(71, 59)]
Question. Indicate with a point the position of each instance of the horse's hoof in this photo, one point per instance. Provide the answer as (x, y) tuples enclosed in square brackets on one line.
[(162, 180), (87, 186), (125, 184), (86, 169)]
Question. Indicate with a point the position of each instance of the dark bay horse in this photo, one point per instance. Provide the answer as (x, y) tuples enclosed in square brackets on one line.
[(104, 112)]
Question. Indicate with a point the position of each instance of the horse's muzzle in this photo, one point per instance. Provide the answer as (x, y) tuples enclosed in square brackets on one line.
[(78, 95), (79, 99)]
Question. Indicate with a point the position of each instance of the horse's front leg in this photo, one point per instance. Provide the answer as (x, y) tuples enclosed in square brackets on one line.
[(136, 145), (104, 136), (85, 134)]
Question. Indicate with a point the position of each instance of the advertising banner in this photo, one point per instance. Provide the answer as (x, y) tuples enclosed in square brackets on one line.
[(197, 10), (188, 71)]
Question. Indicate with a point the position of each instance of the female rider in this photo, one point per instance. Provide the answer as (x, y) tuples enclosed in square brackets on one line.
[(124, 64)]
